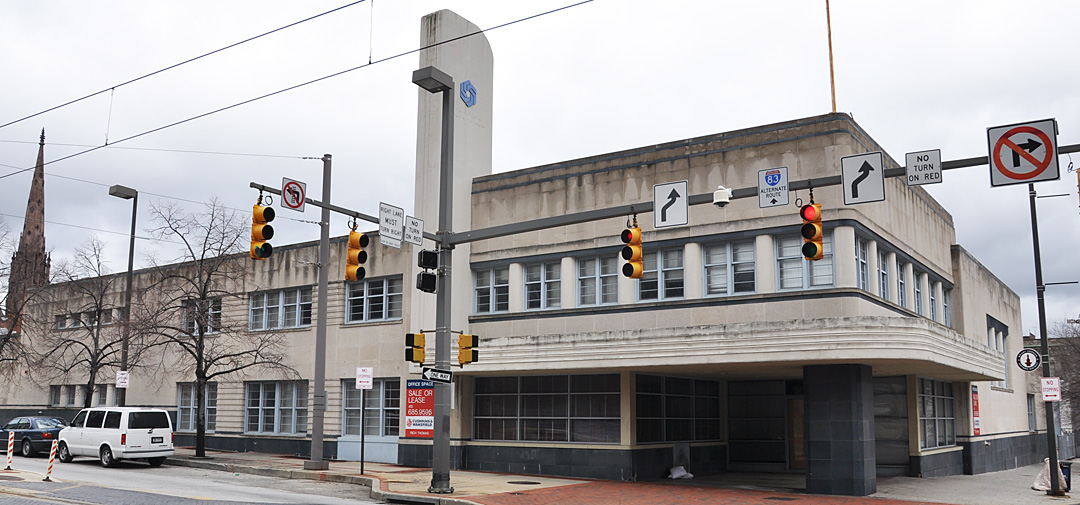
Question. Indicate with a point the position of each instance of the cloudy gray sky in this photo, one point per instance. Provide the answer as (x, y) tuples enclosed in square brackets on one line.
[(600, 77)]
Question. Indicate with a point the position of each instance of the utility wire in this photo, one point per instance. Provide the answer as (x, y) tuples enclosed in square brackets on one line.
[(189, 151), (124, 233), (170, 67), (313, 81)]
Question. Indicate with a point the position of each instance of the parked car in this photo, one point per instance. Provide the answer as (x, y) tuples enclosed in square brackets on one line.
[(112, 434), (33, 434)]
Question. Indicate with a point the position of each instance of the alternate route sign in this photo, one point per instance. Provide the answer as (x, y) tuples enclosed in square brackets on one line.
[(293, 194), (391, 225), (863, 177), (670, 206), (772, 187), (923, 167), (1028, 359), (436, 375), (1024, 152)]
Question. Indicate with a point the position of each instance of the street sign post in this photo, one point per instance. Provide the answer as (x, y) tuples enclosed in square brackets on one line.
[(1028, 360), (1022, 153), (391, 225), (414, 230), (436, 375), (923, 167), (863, 177), (122, 378), (670, 204), (1051, 389), (293, 194), (772, 187)]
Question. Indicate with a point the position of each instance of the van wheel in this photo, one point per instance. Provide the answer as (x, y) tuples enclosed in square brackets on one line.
[(107, 459), (27, 449), (65, 454), (155, 462)]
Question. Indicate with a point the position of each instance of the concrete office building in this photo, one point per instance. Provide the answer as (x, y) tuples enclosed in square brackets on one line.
[(733, 353)]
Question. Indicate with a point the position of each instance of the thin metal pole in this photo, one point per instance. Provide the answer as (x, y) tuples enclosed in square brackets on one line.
[(832, 76), (319, 397), (440, 450), (1040, 288), (121, 393)]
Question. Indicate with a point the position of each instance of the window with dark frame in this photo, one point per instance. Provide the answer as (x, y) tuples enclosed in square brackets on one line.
[(937, 414), (676, 409), (548, 408)]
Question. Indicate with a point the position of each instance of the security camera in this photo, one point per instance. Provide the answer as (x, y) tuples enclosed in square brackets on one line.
[(721, 197)]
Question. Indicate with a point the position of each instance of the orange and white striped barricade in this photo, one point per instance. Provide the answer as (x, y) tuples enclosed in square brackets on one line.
[(52, 457), (10, 448)]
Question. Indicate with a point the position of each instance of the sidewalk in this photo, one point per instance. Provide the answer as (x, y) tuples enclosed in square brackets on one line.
[(409, 485)]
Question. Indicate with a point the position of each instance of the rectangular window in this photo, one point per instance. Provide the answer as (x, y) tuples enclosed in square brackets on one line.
[(548, 408), (376, 409), (729, 261), (933, 303), (374, 300), (286, 308), (883, 275), (276, 407), (185, 402), (797, 272), (598, 281), (918, 293), (54, 396), (946, 297), (492, 290), (101, 394), (1031, 412), (901, 282), (543, 287), (937, 419), (202, 317), (661, 280), (69, 395), (675, 409), (862, 263)]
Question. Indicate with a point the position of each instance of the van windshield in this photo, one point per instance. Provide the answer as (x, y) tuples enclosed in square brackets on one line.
[(137, 420)]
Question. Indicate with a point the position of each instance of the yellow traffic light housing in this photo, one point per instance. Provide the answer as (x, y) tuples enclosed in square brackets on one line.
[(631, 252), (354, 269), (813, 238), (466, 349), (414, 347), (261, 231)]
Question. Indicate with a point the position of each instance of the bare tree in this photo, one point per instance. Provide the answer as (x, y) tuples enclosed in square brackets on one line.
[(184, 306), (1065, 360), (75, 322)]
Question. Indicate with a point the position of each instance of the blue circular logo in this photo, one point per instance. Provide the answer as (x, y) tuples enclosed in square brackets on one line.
[(468, 93)]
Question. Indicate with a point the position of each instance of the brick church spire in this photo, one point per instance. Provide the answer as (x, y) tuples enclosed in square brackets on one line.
[(30, 264)]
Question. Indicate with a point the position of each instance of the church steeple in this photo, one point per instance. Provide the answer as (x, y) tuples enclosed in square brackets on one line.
[(30, 264)]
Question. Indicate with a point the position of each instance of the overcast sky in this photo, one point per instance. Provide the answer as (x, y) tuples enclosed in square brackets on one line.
[(596, 78)]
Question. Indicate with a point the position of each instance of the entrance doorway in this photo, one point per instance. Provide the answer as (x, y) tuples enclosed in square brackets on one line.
[(796, 436)]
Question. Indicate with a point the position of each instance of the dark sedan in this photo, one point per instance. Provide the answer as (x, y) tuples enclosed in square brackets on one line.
[(32, 434)]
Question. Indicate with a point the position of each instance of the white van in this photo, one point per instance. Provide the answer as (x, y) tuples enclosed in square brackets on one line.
[(112, 434)]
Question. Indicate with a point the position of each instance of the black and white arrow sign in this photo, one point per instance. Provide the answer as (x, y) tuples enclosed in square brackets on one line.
[(434, 375)]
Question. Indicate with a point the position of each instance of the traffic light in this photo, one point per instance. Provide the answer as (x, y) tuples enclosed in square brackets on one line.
[(466, 349), (631, 252), (414, 347), (261, 232), (428, 260), (813, 246), (354, 269)]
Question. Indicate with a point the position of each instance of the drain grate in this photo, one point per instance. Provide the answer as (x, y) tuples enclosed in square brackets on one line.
[(780, 498), (524, 482)]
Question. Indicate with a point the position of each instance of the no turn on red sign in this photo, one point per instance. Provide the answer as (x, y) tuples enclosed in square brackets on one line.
[(1022, 153)]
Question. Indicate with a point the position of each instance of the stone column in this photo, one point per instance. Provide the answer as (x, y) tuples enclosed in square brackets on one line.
[(516, 287), (693, 271), (764, 264), (840, 455)]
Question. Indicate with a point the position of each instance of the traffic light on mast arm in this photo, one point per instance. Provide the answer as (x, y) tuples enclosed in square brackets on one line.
[(354, 269), (813, 239), (466, 349), (414, 347), (631, 252), (261, 231)]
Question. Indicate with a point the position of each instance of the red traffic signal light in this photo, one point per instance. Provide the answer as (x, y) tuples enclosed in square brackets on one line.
[(813, 238), (631, 252)]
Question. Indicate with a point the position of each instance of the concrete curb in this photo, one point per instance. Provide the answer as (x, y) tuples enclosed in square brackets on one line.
[(374, 483)]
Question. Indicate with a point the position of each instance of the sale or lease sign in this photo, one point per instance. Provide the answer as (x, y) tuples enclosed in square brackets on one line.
[(419, 409)]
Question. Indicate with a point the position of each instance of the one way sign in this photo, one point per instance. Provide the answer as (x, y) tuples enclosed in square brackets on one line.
[(436, 375), (863, 178)]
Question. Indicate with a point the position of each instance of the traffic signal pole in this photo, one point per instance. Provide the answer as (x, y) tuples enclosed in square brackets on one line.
[(316, 461)]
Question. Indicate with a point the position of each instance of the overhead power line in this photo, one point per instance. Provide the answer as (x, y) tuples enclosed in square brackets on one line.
[(313, 81), (189, 151), (170, 67)]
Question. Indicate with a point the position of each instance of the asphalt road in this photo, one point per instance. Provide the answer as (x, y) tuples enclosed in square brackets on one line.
[(85, 480)]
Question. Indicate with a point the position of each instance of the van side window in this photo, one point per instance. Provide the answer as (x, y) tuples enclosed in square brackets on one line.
[(142, 420), (78, 421), (94, 419), (112, 420)]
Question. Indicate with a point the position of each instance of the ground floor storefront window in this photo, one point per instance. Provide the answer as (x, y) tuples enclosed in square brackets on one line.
[(937, 418), (548, 408), (676, 409)]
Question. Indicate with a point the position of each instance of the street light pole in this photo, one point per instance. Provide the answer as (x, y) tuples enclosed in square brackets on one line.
[(1040, 288), (319, 395), (435, 81), (127, 194)]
